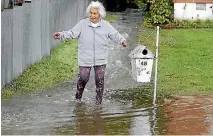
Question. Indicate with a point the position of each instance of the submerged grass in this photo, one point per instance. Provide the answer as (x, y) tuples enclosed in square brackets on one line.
[(60, 66), (185, 60)]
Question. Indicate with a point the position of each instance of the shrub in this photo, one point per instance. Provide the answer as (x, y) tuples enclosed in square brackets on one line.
[(161, 12)]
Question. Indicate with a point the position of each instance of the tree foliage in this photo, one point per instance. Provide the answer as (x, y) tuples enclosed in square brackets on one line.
[(139, 3), (161, 12), (158, 11)]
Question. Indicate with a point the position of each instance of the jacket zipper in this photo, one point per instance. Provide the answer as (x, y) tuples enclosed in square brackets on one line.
[(93, 45)]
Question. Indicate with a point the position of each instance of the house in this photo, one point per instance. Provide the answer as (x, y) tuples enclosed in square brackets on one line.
[(193, 9)]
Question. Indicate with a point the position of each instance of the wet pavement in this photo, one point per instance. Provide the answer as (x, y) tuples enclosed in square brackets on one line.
[(127, 107)]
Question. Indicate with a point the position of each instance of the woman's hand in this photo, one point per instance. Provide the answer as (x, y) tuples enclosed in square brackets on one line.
[(56, 35)]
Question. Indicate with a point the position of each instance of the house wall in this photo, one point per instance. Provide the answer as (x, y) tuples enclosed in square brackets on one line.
[(187, 11)]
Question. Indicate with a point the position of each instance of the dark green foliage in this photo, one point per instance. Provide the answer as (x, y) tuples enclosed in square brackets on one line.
[(161, 12)]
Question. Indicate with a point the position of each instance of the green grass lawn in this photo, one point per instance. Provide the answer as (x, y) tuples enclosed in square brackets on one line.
[(60, 66), (185, 60), (110, 17)]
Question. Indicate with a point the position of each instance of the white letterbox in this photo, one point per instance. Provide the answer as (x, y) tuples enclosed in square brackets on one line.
[(141, 61)]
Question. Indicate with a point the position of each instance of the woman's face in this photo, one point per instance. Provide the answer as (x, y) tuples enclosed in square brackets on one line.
[(94, 15)]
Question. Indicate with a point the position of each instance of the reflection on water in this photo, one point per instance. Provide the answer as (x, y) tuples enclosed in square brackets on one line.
[(127, 113), (88, 121)]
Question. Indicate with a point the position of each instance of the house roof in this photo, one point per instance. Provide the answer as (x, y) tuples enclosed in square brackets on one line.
[(193, 1)]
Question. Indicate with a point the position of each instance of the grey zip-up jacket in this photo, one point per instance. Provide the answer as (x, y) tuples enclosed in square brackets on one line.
[(93, 42)]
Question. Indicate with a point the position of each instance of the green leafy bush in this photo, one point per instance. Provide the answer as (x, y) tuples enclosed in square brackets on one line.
[(191, 24), (161, 12)]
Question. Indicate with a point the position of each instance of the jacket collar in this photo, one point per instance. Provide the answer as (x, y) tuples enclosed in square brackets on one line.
[(90, 25)]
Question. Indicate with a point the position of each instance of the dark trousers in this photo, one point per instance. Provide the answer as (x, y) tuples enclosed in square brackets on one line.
[(84, 74)]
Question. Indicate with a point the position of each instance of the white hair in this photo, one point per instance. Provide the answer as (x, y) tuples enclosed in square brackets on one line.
[(98, 5)]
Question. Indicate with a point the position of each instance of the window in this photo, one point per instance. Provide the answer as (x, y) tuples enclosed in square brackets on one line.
[(200, 6)]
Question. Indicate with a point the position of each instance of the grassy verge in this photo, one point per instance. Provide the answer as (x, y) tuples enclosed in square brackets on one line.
[(60, 66), (111, 17), (185, 60)]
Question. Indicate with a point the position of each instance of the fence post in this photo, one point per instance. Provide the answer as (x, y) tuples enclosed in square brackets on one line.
[(156, 66)]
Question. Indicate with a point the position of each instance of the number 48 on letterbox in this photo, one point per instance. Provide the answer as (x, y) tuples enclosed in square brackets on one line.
[(141, 61)]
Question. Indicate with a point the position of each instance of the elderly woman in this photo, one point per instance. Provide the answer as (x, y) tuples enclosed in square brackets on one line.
[(94, 33)]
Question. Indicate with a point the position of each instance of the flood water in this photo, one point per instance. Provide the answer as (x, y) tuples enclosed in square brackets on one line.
[(124, 114), (127, 107)]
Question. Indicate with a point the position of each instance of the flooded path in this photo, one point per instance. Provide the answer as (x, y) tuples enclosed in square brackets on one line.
[(127, 107)]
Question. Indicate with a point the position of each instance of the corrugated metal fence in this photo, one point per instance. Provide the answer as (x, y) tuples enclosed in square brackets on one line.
[(4, 4), (27, 32)]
